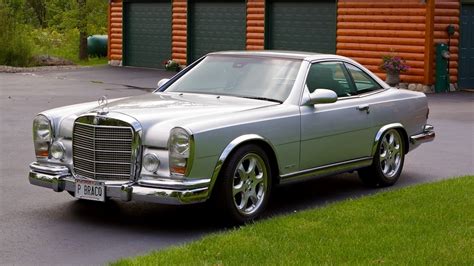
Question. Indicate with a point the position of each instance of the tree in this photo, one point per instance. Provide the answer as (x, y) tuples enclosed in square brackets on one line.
[(82, 26), (39, 8)]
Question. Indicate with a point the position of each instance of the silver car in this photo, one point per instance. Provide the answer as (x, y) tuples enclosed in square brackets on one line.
[(230, 127)]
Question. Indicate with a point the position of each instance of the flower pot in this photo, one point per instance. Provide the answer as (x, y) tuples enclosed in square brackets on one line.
[(393, 78)]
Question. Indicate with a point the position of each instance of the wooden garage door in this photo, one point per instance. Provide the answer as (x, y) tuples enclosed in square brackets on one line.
[(301, 26), (466, 48), (147, 33), (215, 26)]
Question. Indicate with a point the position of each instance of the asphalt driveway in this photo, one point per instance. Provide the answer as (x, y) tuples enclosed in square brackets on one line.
[(38, 226)]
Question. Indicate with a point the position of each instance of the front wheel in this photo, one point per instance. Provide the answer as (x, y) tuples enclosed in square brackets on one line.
[(388, 161), (244, 185)]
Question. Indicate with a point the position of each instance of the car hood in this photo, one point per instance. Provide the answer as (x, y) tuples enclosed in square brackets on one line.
[(159, 107), (165, 110)]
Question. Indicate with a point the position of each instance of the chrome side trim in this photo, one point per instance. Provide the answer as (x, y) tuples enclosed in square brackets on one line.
[(229, 148), (176, 184), (325, 170), (380, 133)]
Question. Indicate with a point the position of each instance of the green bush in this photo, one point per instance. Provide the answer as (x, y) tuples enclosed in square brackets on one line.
[(15, 47), (49, 41), (24, 35)]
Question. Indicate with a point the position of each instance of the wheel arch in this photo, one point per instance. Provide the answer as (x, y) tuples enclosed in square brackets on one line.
[(238, 142), (400, 128)]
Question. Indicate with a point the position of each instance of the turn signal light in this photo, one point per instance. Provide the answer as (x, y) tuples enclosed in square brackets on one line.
[(42, 153), (178, 170)]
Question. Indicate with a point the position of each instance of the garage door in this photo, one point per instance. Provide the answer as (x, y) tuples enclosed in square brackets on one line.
[(215, 26), (466, 48), (301, 26), (147, 33)]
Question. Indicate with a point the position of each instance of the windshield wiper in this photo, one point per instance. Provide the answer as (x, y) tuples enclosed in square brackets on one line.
[(262, 98)]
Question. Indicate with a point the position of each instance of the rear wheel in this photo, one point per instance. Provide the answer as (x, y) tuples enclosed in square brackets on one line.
[(388, 161), (244, 185)]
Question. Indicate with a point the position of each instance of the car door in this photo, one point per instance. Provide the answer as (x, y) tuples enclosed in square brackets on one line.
[(334, 132)]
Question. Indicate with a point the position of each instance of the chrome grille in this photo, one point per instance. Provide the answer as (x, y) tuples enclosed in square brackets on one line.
[(102, 152)]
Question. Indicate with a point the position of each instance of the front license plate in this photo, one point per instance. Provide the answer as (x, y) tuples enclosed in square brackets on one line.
[(90, 190)]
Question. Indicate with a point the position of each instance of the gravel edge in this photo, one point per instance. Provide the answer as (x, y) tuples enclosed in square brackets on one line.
[(10, 69)]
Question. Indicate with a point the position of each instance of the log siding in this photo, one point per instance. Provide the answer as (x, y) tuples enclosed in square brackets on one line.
[(366, 30)]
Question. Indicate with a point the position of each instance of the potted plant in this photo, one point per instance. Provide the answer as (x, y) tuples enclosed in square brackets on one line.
[(393, 65), (172, 65)]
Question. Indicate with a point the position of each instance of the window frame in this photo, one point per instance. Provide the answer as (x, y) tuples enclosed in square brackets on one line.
[(366, 74), (345, 72), (311, 62)]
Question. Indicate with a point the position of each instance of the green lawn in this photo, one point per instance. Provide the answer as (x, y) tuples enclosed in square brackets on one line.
[(423, 224)]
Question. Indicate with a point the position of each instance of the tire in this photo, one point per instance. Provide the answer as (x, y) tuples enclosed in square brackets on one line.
[(388, 161), (244, 185)]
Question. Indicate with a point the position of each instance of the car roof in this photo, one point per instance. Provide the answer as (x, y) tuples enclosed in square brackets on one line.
[(309, 56)]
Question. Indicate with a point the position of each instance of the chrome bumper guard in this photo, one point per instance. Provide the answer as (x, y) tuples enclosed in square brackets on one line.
[(427, 135), (59, 178)]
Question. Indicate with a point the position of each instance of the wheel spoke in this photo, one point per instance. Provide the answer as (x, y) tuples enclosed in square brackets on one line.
[(253, 197), (385, 144), (391, 139), (251, 167), (238, 189), (242, 173), (244, 201)]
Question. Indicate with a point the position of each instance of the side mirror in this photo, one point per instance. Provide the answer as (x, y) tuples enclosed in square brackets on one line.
[(161, 82), (322, 96)]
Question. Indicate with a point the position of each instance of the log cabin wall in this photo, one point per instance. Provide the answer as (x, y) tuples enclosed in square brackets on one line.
[(115, 32), (367, 30), (179, 31), (446, 13), (255, 24)]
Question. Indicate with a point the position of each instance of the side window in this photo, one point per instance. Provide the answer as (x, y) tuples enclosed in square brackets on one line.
[(328, 75), (363, 82)]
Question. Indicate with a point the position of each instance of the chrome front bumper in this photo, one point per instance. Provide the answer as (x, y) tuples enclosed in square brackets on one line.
[(427, 135), (59, 178)]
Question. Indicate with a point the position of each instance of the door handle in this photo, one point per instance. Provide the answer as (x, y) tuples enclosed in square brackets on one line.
[(364, 107)]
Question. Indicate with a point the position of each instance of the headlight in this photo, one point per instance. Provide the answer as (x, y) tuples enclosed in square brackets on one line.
[(42, 136), (151, 163), (179, 151), (58, 150)]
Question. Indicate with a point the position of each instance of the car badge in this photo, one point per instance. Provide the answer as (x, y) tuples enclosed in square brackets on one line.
[(103, 105)]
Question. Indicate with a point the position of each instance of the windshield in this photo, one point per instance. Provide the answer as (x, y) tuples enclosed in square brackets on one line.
[(251, 77)]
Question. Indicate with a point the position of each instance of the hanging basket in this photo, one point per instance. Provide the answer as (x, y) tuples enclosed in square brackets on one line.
[(393, 79)]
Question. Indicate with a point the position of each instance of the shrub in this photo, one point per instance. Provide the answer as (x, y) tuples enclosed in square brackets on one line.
[(15, 47), (52, 42)]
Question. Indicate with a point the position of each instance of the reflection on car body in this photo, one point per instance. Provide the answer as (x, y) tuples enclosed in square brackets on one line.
[(230, 127)]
